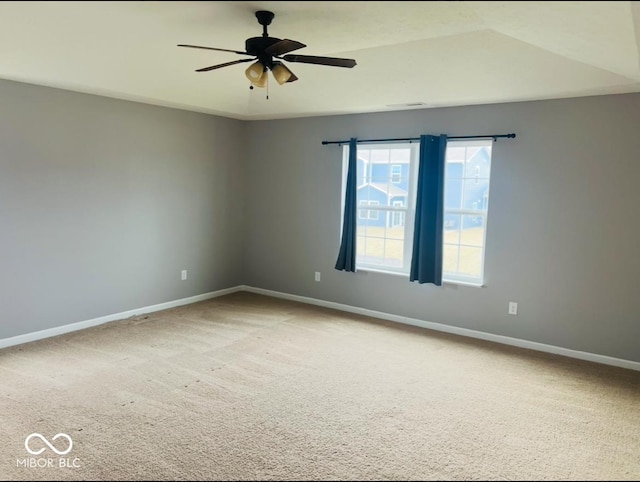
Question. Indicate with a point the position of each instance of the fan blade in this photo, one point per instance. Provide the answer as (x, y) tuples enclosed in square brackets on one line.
[(283, 46), (213, 48), (312, 59), (219, 66), (293, 77)]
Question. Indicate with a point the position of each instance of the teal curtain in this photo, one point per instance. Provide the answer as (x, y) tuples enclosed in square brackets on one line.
[(347, 255), (426, 262)]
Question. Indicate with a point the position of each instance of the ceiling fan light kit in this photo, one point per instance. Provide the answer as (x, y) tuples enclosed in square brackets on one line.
[(265, 49), (281, 73), (256, 73)]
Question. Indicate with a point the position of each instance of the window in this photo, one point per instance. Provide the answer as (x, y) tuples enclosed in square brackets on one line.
[(466, 203), (397, 217), (384, 229), (396, 172)]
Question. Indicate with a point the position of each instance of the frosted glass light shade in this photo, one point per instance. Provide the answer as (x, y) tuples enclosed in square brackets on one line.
[(256, 74), (281, 72)]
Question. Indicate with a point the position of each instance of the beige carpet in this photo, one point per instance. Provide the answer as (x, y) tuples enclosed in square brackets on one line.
[(249, 387)]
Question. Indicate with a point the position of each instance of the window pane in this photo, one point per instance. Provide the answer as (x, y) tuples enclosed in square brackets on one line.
[(402, 155), (398, 195), (472, 232), (453, 170), (478, 170), (452, 228), (380, 156), (450, 258), (476, 194), (398, 219), (393, 253), (453, 194), (380, 191), (374, 250), (362, 196), (395, 232), (361, 166), (362, 213), (379, 173), (455, 153), (470, 261), (396, 173)]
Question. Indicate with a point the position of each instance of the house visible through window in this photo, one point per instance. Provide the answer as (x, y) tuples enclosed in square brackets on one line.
[(386, 180)]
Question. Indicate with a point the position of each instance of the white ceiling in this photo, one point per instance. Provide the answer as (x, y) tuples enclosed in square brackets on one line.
[(433, 53)]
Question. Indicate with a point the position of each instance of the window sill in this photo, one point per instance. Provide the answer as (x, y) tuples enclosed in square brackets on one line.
[(382, 271), (463, 283), (406, 276)]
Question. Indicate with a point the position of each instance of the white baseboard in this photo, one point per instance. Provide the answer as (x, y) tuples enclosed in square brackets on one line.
[(80, 325), (506, 340)]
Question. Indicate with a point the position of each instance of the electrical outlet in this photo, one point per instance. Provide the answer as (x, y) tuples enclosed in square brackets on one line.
[(183, 275), (513, 308), (317, 275)]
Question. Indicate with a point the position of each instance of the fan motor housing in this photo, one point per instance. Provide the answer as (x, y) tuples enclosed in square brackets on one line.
[(257, 45)]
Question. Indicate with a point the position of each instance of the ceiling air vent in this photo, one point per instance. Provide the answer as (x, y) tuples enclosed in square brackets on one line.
[(407, 104)]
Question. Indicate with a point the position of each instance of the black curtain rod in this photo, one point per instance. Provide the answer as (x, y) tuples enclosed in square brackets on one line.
[(409, 139)]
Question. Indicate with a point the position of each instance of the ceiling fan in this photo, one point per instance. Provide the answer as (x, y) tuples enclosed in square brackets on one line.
[(265, 49)]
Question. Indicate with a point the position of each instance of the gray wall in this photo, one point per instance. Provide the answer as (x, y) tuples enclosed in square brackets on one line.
[(563, 230), (103, 202)]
